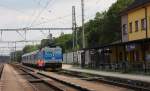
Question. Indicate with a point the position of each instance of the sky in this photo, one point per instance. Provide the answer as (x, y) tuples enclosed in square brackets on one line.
[(43, 13)]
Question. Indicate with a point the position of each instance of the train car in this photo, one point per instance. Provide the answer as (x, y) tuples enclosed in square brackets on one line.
[(51, 56)]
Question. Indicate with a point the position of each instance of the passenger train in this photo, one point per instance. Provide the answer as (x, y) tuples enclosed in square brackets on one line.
[(51, 56)]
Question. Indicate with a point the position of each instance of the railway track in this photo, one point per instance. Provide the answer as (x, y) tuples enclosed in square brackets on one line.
[(1, 69), (44, 83), (126, 83), (83, 76)]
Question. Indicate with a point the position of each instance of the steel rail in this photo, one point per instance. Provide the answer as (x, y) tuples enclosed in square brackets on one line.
[(1, 69)]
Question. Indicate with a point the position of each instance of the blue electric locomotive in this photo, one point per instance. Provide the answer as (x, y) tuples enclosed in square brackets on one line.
[(51, 56)]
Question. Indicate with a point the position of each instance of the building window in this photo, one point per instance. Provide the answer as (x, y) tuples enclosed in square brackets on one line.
[(143, 24), (136, 26), (124, 29), (130, 27)]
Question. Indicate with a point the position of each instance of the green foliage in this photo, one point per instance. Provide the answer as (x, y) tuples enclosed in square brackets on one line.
[(30, 48), (112, 21), (64, 41), (45, 42), (16, 56)]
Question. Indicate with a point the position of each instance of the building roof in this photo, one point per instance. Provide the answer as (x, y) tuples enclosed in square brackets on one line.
[(135, 4), (140, 41)]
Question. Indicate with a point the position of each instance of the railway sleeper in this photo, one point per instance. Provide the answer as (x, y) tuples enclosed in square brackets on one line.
[(91, 78)]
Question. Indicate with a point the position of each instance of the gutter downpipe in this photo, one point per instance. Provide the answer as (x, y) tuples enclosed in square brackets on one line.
[(146, 39)]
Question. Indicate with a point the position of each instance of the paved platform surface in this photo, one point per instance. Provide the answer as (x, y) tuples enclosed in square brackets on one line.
[(12, 81), (111, 74)]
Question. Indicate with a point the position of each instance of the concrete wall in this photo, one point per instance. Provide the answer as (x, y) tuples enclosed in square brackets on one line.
[(68, 57)]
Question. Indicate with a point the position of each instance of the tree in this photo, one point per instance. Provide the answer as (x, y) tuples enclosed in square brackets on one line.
[(47, 42), (30, 48), (64, 41), (112, 21), (16, 56)]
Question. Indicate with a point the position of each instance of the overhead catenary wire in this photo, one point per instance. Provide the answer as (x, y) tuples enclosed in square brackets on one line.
[(54, 19), (67, 15), (34, 12), (39, 5), (39, 14), (38, 2)]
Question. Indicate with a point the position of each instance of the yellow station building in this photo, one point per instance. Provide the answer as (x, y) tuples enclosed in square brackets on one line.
[(136, 21), (134, 47)]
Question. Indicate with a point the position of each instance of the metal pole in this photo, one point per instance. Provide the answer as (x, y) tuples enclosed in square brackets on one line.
[(49, 33), (83, 36), (144, 53), (15, 55), (76, 34), (73, 25), (1, 35), (25, 35), (76, 40), (73, 29)]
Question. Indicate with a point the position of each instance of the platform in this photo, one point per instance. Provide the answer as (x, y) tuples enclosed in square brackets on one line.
[(143, 78), (12, 81)]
